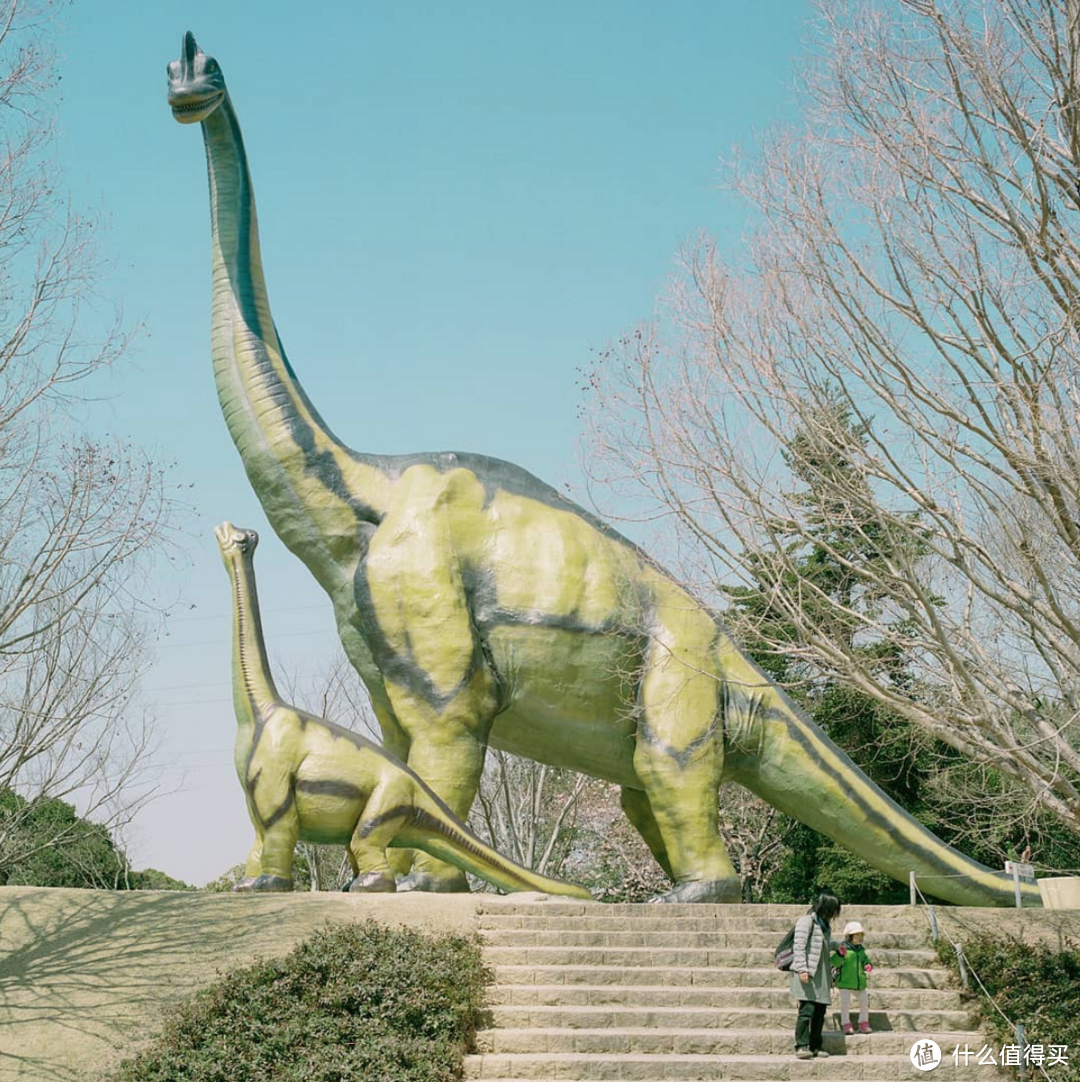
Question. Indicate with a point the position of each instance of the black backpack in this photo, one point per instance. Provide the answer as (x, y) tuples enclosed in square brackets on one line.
[(785, 952)]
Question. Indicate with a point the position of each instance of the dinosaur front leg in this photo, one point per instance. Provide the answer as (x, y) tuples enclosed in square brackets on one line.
[(413, 603), (272, 803), (252, 866), (447, 751), (679, 758)]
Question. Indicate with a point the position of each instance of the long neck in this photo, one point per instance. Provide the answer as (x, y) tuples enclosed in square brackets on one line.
[(253, 686), (313, 488)]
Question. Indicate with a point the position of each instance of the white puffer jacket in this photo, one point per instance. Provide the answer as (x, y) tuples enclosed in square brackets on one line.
[(811, 955)]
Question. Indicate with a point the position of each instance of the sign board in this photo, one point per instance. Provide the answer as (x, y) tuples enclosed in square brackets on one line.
[(1025, 871)]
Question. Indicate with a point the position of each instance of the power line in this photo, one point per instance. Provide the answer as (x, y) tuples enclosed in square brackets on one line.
[(228, 642), (223, 615)]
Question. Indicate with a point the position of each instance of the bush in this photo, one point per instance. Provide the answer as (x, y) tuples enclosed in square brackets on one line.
[(154, 879), (354, 1003), (44, 843), (1033, 985)]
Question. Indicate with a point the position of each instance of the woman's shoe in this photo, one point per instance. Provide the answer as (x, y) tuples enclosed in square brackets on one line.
[(803, 1053), (864, 1027), (848, 1028)]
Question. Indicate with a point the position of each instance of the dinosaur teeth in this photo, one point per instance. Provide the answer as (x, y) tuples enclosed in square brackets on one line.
[(192, 106)]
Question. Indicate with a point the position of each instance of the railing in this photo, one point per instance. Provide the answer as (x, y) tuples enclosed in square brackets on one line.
[(1015, 876), (966, 971)]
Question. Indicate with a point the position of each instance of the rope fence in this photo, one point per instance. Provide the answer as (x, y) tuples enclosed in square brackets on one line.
[(965, 968)]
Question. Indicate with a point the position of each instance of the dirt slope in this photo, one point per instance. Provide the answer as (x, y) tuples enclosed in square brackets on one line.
[(84, 974)]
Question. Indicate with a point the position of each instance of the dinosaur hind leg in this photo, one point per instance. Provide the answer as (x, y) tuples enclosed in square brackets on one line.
[(636, 808), (679, 757), (382, 819)]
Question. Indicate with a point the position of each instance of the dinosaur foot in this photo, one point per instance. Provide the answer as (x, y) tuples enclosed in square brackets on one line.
[(375, 882), (457, 884), (264, 883), (726, 891)]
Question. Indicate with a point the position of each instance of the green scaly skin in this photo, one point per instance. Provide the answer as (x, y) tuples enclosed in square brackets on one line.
[(306, 778), (480, 606)]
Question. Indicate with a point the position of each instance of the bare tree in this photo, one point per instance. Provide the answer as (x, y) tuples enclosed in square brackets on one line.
[(908, 302), (527, 810), (752, 833), (77, 515)]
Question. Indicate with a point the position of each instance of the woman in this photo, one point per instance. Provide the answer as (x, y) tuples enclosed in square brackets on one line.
[(811, 978)]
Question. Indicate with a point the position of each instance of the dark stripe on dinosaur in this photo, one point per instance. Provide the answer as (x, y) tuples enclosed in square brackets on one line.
[(403, 670), (496, 475), (338, 732), (464, 840), (241, 630), (280, 811), (843, 780), (342, 789), (461, 837), (681, 756), (320, 465)]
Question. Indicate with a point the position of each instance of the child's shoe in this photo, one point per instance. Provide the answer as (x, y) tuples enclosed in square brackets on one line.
[(848, 1028), (864, 1027), (821, 1054)]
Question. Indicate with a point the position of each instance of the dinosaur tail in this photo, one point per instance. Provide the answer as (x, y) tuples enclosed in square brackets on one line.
[(793, 765), (435, 829)]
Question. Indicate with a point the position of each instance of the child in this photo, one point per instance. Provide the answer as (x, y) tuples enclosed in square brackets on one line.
[(853, 964)]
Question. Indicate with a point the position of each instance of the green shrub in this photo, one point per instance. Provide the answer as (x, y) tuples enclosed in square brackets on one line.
[(354, 1003), (1033, 985)]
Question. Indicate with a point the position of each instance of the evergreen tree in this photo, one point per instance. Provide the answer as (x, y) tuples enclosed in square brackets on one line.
[(834, 572)]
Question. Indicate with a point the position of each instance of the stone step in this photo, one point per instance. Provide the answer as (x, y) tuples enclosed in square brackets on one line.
[(732, 917), (744, 1068), (726, 957), (682, 1017), (621, 911), (673, 937), (667, 975), (637, 1040), (697, 997)]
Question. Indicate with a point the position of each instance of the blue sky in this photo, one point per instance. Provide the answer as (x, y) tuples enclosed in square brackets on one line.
[(455, 206)]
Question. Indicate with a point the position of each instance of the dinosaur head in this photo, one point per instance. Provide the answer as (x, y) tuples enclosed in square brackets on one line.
[(196, 84), (234, 542)]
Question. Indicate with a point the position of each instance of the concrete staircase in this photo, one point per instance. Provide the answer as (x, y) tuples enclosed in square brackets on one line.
[(651, 992)]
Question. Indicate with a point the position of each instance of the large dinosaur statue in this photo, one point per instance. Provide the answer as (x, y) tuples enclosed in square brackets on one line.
[(305, 777), (480, 606)]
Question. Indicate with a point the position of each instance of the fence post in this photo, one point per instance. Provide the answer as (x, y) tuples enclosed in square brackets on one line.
[(911, 887), (963, 966), (1016, 885), (1020, 1045)]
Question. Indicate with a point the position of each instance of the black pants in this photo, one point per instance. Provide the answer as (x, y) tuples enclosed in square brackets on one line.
[(809, 1025)]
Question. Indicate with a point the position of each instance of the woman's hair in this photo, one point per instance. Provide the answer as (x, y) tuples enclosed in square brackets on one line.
[(826, 907)]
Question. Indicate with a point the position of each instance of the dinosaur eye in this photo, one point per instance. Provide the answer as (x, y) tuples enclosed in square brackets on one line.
[(211, 67)]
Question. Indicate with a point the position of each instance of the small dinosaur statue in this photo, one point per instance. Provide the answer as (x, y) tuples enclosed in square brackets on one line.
[(479, 605), (305, 777)]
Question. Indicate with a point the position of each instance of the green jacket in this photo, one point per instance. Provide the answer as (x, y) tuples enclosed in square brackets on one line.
[(852, 973)]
